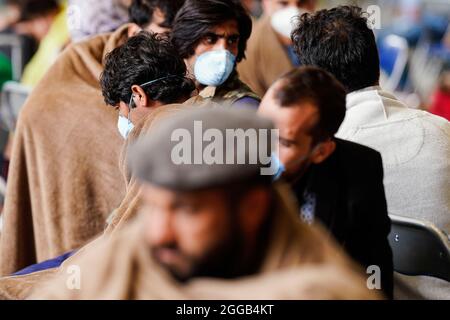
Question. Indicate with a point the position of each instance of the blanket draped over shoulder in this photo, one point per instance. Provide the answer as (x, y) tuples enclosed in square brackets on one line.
[(64, 178), (267, 59)]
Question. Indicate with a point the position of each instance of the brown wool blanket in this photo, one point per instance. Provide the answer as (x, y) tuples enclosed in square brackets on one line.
[(262, 67), (64, 178)]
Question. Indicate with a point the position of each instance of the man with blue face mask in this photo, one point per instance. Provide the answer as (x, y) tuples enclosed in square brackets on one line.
[(336, 182), (143, 74), (270, 51), (211, 35)]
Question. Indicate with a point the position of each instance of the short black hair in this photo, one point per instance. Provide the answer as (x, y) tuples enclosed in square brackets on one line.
[(143, 58), (319, 87), (340, 41), (141, 11), (197, 17)]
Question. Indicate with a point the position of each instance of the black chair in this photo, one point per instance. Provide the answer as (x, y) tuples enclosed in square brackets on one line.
[(419, 248)]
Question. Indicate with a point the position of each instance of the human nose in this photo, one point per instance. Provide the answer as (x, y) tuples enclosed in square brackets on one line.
[(162, 232), (221, 44)]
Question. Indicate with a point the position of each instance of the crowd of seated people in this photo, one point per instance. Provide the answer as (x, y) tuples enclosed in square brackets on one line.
[(123, 164)]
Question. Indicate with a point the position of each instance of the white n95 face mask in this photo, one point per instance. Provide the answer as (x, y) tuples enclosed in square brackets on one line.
[(125, 126), (213, 68), (283, 21)]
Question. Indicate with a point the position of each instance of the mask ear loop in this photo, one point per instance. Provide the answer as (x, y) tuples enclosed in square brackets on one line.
[(129, 109), (130, 106)]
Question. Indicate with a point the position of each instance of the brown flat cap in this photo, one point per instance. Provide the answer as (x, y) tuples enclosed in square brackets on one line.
[(204, 148)]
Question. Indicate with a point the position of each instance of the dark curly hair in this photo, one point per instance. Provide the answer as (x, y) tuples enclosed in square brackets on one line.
[(141, 11), (196, 18), (339, 41), (143, 58), (320, 88)]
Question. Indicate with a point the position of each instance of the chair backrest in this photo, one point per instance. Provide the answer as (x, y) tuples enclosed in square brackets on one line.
[(394, 52), (12, 98), (419, 248)]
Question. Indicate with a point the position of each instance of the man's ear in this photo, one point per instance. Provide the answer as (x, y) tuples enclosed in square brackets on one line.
[(133, 29), (139, 97), (323, 151), (254, 208)]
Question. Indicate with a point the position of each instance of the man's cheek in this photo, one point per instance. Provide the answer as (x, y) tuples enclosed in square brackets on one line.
[(286, 156), (192, 242)]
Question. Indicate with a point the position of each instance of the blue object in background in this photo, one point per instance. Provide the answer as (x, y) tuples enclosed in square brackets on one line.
[(45, 265)]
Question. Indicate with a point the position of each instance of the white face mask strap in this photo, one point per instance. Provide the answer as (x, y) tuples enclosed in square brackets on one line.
[(147, 84)]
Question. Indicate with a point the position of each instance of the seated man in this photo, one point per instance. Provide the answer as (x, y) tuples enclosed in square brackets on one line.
[(215, 231), (270, 52), (414, 144), (336, 182), (211, 35), (64, 179)]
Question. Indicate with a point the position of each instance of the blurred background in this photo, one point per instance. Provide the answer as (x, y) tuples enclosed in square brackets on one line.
[(413, 38)]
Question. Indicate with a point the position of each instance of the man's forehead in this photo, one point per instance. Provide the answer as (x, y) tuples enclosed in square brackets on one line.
[(227, 28), (293, 120)]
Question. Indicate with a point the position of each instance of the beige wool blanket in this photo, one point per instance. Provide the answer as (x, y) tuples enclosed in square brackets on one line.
[(266, 58)]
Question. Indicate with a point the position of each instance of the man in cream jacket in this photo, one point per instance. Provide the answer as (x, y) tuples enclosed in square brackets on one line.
[(414, 144)]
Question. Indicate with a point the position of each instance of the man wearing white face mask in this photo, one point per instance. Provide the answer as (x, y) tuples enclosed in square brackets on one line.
[(143, 74), (211, 36), (270, 52), (337, 183)]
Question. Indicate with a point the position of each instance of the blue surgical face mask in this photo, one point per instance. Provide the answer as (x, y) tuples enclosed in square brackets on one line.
[(124, 124), (279, 168), (213, 68)]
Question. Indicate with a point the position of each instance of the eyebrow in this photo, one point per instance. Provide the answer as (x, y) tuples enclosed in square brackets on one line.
[(210, 33)]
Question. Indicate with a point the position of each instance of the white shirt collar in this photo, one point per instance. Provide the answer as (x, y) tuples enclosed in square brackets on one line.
[(372, 105)]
